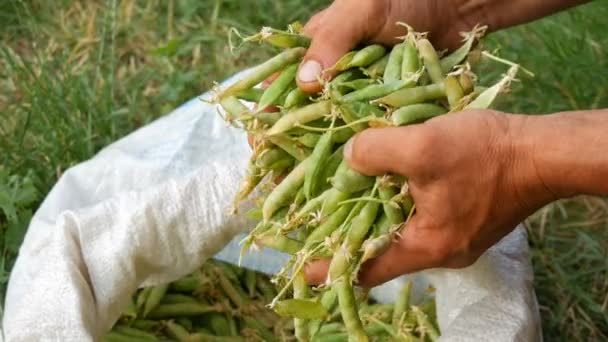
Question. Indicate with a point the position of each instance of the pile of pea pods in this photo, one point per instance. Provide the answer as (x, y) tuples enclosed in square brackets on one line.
[(225, 303), (309, 202)]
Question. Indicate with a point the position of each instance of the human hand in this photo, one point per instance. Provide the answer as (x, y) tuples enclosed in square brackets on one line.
[(346, 23), (471, 181)]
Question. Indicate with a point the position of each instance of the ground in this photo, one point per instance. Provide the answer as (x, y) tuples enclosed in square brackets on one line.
[(77, 75)]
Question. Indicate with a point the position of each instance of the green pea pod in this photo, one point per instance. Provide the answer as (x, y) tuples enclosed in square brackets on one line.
[(302, 115), (376, 91), (411, 61), (114, 336), (329, 300), (254, 213), (184, 322), (459, 55), (377, 69), (364, 109), (285, 190), (301, 308), (154, 298), (278, 87), (367, 56), (402, 304), (349, 181), (392, 72), (300, 293), (344, 62), (270, 156), (372, 248), (487, 97), (254, 324), (265, 70), (346, 76), (309, 139), (174, 298), (330, 225), (271, 239), (135, 333), (187, 284), (204, 337), (342, 135), (416, 113), (312, 178), (268, 118), (333, 163), (287, 40), (414, 95), (140, 301), (299, 152), (165, 311), (454, 91), (130, 312), (253, 177), (431, 60), (425, 324), (217, 323), (348, 308), (234, 108), (249, 281), (250, 95), (356, 84), (391, 209), (176, 331), (295, 98)]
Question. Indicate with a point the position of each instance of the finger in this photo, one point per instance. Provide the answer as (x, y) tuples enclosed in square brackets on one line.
[(311, 27), (417, 248), (377, 151), (316, 271), (329, 43)]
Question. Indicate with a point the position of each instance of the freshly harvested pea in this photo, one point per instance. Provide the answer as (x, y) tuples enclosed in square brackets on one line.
[(391, 209), (114, 336), (487, 97), (410, 63), (453, 91), (312, 179), (279, 242), (349, 181), (176, 331), (364, 109), (376, 70), (348, 308), (270, 156), (253, 176), (250, 95), (174, 298), (392, 72), (140, 301), (431, 60), (333, 163), (204, 337), (367, 56), (372, 248), (466, 82), (309, 139), (268, 118), (300, 198), (301, 308), (165, 311), (456, 57), (402, 304), (356, 84), (233, 107), (145, 324), (425, 324), (130, 312), (346, 76), (264, 70), (184, 322), (344, 62), (330, 225), (414, 95), (342, 135), (285, 190), (298, 152), (279, 86), (295, 98), (329, 328), (218, 324), (134, 332), (300, 116), (154, 298), (287, 40), (253, 323), (416, 113), (186, 284), (376, 91)]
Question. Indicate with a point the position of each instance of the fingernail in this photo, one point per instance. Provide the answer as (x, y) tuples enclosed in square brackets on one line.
[(348, 149), (309, 71)]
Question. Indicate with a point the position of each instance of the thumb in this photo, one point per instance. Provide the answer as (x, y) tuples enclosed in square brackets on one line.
[(329, 43), (376, 151)]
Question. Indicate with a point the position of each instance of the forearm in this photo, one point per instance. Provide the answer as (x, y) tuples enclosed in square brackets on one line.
[(500, 14), (568, 151)]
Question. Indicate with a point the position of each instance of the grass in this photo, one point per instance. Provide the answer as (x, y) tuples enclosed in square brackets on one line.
[(77, 75)]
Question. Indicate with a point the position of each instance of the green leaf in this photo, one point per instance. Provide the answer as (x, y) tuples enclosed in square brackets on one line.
[(16, 231), (168, 49)]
